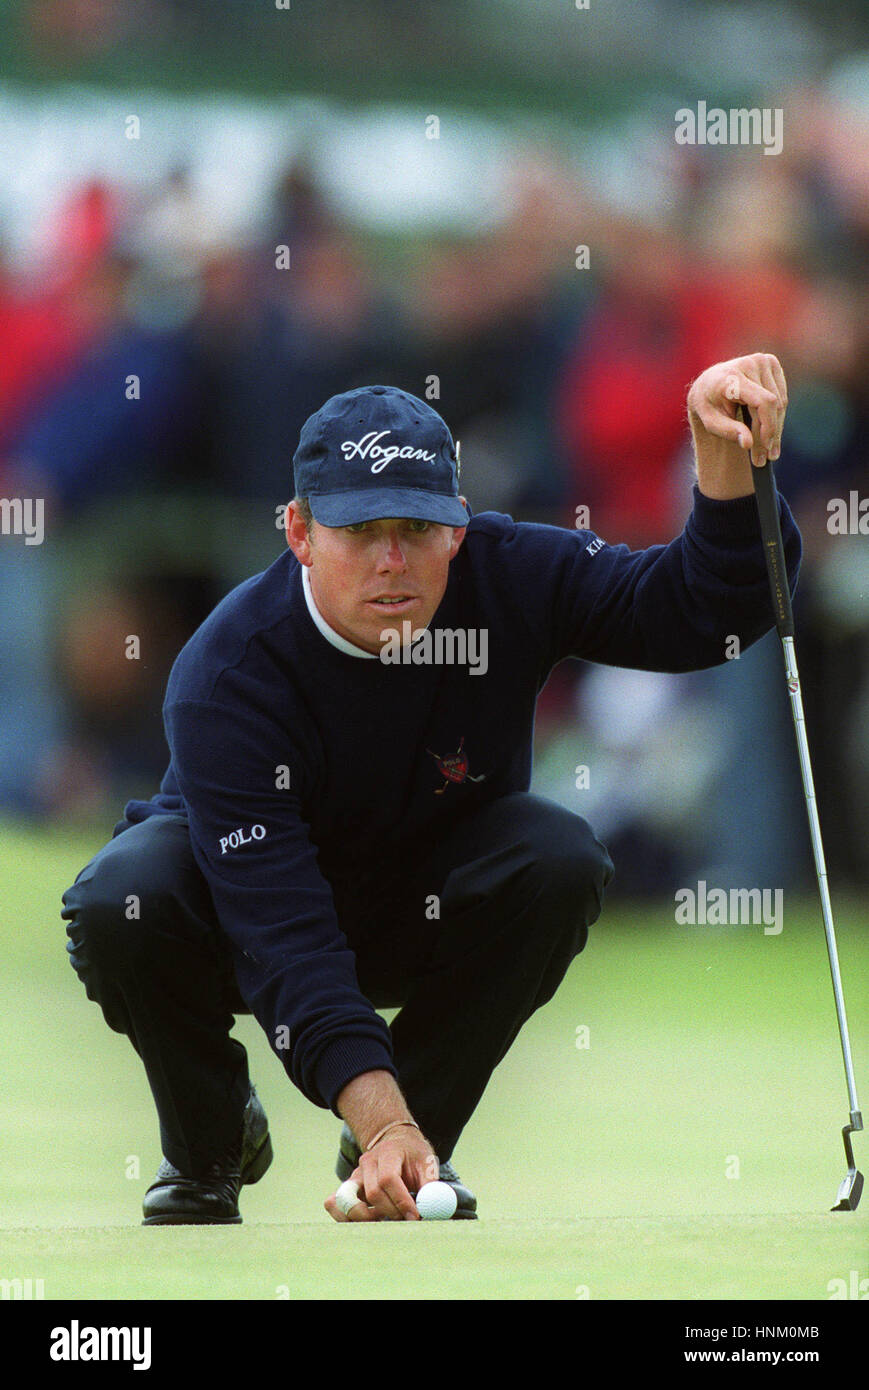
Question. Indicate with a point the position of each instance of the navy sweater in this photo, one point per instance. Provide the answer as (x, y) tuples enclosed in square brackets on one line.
[(302, 767)]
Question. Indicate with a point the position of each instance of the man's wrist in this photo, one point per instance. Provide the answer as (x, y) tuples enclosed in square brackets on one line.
[(387, 1129), (370, 1103)]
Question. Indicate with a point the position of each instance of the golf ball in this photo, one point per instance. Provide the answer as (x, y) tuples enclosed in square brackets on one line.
[(436, 1201)]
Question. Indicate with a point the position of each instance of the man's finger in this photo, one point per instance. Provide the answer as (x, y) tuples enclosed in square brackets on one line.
[(348, 1203), (360, 1211), (718, 422), (389, 1197), (739, 387), (780, 381), (347, 1195), (782, 385), (763, 402), (402, 1202), (764, 409), (774, 381), (734, 390), (754, 448), (333, 1210)]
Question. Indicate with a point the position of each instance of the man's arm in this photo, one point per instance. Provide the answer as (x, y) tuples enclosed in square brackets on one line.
[(294, 967), (674, 607)]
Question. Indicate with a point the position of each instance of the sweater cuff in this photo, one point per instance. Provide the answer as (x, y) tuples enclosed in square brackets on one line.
[(348, 1057), (734, 518)]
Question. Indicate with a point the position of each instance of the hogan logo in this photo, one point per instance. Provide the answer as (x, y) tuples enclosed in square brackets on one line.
[(368, 448), (236, 838)]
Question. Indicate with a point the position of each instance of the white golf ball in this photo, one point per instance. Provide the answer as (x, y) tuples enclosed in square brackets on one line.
[(436, 1201)]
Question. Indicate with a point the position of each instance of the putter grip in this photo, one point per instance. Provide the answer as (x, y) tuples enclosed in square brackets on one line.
[(774, 552)]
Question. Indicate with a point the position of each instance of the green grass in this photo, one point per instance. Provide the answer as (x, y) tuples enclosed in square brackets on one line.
[(691, 1151)]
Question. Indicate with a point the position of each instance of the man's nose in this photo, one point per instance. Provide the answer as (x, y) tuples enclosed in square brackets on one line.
[(391, 552)]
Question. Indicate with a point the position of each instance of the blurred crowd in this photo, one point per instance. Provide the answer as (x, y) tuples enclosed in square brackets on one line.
[(150, 355)]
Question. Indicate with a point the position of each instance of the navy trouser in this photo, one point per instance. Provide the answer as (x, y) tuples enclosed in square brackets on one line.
[(518, 884)]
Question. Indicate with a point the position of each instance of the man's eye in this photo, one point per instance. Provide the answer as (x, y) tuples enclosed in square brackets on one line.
[(419, 525), (356, 527)]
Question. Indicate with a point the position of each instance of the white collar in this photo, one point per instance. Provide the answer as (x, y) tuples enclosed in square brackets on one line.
[(328, 632)]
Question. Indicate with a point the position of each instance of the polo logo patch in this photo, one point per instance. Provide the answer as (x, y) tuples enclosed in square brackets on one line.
[(236, 838)]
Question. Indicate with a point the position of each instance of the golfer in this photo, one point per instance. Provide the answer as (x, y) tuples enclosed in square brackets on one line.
[(345, 824)]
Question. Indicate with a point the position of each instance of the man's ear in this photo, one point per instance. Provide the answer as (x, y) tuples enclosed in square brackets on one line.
[(456, 542), (458, 534), (297, 535)]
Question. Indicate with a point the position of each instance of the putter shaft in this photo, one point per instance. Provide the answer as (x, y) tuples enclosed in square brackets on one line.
[(793, 681)]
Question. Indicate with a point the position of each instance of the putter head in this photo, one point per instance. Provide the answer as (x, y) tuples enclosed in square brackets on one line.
[(851, 1186), (850, 1191)]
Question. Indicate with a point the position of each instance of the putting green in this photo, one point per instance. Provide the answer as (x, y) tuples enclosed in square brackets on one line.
[(667, 1128)]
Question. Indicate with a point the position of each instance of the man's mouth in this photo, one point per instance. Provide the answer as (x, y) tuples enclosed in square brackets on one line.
[(392, 603)]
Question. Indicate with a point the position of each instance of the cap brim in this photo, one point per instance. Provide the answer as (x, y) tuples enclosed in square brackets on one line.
[(348, 508)]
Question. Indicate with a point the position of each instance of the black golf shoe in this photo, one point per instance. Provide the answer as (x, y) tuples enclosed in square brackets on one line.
[(174, 1199), (349, 1154)]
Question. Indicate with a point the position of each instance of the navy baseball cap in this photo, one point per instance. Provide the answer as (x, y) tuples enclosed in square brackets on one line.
[(377, 452)]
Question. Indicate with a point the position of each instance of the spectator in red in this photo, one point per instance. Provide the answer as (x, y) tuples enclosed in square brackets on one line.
[(654, 321)]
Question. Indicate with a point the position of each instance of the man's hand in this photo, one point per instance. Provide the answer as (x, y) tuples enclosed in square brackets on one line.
[(399, 1163), (395, 1168), (720, 436)]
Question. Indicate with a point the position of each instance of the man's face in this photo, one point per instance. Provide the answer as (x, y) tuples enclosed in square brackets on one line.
[(355, 570)]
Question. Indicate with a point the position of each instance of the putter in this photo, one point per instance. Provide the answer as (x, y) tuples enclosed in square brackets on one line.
[(851, 1185)]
